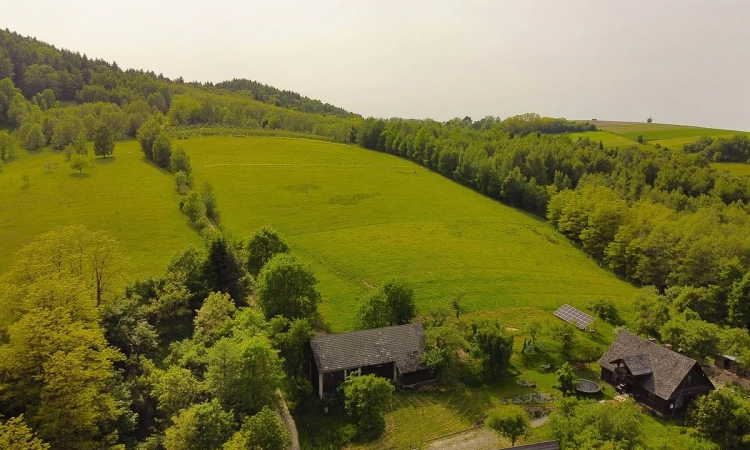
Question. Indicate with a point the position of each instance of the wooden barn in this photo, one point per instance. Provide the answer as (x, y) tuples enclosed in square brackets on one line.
[(390, 352), (663, 380)]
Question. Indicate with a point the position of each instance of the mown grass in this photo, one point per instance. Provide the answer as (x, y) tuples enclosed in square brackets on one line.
[(737, 169), (124, 196), (361, 217)]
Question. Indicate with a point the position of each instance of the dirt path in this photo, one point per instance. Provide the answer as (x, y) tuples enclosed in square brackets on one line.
[(288, 421), (476, 439)]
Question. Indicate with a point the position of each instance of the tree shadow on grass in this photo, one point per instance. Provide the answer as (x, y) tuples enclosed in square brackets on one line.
[(80, 175), (107, 160)]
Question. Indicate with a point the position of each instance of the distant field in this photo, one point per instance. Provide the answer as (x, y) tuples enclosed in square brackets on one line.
[(606, 138), (671, 136), (738, 169), (123, 196), (361, 217)]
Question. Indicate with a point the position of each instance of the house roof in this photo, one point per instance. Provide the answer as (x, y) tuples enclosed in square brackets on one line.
[(638, 365), (402, 344), (662, 368), (548, 445)]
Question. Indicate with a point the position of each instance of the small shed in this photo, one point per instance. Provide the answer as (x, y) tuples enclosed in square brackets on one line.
[(730, 364), (393, 352)]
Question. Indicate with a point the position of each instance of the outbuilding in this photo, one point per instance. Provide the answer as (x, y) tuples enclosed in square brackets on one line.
[(393, 352)]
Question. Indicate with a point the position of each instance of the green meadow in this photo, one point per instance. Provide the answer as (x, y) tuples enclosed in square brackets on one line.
[(124, 196), (361, 217), (671, 136), (608, 139), (736, 169)]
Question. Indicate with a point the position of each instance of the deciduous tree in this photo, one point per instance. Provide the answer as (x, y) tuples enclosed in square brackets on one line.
[(104, 140), (509, 421), (286, 287), (261, 431), (367, 399), (201, 427), (264, 245)]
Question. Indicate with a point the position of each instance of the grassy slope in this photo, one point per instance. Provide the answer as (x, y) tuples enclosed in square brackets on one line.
[(361, 217), (671, 136), (607, 138), (127, 198)]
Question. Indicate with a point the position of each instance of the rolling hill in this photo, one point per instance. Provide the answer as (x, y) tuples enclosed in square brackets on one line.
[(361, 217)]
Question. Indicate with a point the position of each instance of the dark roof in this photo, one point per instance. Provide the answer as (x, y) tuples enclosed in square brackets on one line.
[(402, 344), (663, 368), (548, 445), (638, 364)]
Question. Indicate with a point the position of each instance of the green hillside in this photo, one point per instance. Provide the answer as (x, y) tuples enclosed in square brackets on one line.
[(666, 135), (129, 199), (361, 217)]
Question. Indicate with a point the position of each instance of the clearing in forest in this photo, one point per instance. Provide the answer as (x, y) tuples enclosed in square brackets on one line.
[(127, 198), (361, 217)]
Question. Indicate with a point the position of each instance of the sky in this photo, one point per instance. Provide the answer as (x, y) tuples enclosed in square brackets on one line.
[(677, 61)]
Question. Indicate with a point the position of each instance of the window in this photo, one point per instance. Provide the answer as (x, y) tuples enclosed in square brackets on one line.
[(689, 380)]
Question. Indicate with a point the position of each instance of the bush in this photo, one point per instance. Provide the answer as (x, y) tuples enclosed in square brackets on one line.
[(607, 311)]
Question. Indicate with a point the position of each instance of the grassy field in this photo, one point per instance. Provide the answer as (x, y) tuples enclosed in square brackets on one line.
[(737, 169), (361, 217), (605, 137), (129, 199), (671, 136)]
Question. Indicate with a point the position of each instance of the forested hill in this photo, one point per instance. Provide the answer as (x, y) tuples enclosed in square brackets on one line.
[(35, 66), (277, 97)]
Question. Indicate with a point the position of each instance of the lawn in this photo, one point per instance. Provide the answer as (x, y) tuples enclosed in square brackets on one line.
[(122, 195), (361, 217), (737, 169)]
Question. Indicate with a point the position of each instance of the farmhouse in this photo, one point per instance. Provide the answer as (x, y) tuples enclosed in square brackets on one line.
[(657, 377), (390, 352)]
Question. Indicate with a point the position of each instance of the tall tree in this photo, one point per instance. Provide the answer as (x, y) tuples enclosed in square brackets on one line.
[(60, 371), (162, 151), (286, 287), (201, 427), (264, 245), (366, 400), (15, 435), (510, 421), (146, 135), (104, 140), (221, 269), (261, 431), (244, 373)]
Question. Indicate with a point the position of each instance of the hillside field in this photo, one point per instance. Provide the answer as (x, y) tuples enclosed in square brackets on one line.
[(124, 196), (672, 136), (361, 217)]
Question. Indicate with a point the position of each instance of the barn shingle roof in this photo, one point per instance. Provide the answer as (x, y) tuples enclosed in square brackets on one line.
[(661, 368), (402, 344)]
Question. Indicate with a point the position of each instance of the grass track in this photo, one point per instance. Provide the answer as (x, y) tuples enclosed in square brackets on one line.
[(361, 217), (129, 199)]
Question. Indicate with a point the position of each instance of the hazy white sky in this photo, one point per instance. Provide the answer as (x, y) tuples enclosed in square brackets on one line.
[(680, 61)]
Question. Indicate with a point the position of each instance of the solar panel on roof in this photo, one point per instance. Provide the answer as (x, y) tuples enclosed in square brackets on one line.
[(574, 316)]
